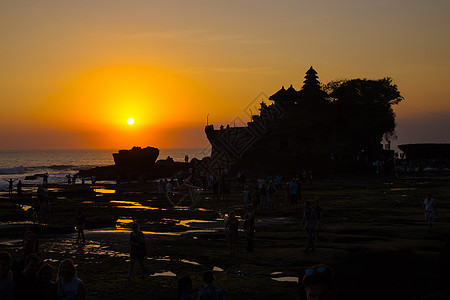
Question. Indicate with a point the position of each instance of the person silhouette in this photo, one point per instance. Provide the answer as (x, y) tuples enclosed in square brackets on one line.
[(210, 291), (19, 188), (429, 205), (69, 179), (6, 276), (318, 282), (68, 285), (184, 288), (80, 224), (249, 226), (10, 186), (138, 250), (46, 285), (45, 179), (231, 229)]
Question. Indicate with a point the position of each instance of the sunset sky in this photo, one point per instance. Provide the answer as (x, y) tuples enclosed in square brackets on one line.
[(73, 72)]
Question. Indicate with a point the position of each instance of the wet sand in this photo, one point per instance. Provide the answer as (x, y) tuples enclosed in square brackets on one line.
[(373, 234)]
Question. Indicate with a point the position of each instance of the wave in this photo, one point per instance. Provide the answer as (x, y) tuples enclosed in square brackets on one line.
[(53, 168), (15, 170), (42, 169)]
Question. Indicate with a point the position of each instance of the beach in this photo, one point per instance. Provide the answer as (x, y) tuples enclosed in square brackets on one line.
[(373, 234)]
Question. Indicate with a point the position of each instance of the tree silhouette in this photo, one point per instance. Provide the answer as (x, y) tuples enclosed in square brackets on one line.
[(364, 109)]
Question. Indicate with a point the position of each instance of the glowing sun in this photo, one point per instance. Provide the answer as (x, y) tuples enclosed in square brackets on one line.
[(130, 121)]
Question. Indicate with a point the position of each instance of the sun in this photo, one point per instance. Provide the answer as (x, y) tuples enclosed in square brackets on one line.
[(130, 121)]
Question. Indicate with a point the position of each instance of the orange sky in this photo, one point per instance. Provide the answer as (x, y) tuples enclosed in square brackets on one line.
[(73, 72)]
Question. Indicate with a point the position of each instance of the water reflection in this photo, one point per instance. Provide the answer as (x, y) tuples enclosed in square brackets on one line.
[(102, 190), (189, 223), (166, 273), (134, 205), (55, 189), (24, 208), (120, 230), (286, 279), (190, 262)]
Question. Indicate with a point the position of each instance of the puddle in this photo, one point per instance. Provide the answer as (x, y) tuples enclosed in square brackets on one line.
[(277, 220), (276, 273), (163, 259), (55, 190), (187, 223), (102, 190), (10, 242), (25, 207), (122, 221), (403, 189), (217, 269), (190, 262), (192, 223), (286, 279), (167, 273), (15, 223), (134, 205), (90, 248), (88, 202)]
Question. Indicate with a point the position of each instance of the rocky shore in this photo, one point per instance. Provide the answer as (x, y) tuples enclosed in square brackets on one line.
[(373, 234)]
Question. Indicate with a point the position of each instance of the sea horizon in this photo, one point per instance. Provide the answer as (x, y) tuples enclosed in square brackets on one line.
[(18, 164)]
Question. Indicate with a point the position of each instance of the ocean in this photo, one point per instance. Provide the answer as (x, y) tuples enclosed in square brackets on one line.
[(59, 163)]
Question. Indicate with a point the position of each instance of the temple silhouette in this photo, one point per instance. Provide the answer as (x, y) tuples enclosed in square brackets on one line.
[(325, 128)]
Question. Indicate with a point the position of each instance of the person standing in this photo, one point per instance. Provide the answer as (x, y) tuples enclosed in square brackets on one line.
[(429, 204), (19, 189), (69, 179), (249, 227), (263, 195), (68, 285), (25, 282), (30, 243), (293, 192), (270, 191), (184, 288), (80, 225), (231, 229), (318, 282), (6, 277), (247, 195), (45, 179), (138, 249), (46, 285), (210, 291), (309, 220), (10, 185), (318, 210)]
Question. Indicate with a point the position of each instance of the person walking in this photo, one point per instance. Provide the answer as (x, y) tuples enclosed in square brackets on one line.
[(429, 205), (138, 249)]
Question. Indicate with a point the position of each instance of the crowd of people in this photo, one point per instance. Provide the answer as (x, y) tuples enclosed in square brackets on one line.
[(34, 279)]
